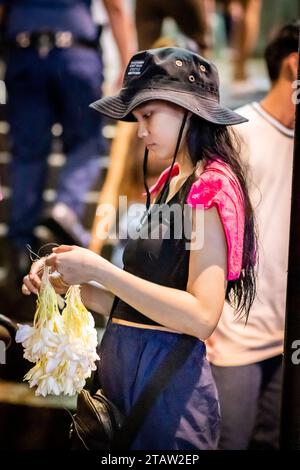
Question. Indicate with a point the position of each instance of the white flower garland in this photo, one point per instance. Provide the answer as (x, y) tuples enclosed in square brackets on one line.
[(62, 345)]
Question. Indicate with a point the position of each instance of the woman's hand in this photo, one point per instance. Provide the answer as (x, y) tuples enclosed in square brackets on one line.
[(32, 281), (77, 265)]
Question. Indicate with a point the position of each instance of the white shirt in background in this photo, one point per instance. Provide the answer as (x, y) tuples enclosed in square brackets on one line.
[(268, 151)]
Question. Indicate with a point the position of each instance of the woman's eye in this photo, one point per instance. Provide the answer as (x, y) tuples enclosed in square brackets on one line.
[(146, 115)]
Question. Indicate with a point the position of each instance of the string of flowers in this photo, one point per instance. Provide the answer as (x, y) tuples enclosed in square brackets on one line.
[(61, 344)]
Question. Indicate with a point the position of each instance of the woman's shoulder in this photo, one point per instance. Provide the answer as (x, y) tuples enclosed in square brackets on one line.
[(215, 182), (217, 186)]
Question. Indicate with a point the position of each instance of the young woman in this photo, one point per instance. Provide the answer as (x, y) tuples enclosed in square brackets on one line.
[(169, 287)]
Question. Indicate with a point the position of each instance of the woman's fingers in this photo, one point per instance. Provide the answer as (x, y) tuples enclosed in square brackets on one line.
[(51, 261), (28, 286), (32, 282), (25, 290), (58, 283), (35, 280), (37, 267), (63, 248)]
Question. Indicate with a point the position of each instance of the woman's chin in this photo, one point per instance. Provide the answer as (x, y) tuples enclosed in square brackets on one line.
[(160, 156)]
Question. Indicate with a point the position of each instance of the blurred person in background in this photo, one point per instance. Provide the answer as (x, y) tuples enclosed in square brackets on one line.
[(190, 16), (242, 22), (54, 71), (247, 360)]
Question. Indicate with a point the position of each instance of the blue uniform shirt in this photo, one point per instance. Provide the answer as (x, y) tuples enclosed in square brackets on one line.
[(54, 15)]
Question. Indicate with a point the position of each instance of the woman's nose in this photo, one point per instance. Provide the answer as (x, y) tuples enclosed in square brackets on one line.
[(142, 131)]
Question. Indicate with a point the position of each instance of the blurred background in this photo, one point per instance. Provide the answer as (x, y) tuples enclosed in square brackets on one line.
[(230, 33)]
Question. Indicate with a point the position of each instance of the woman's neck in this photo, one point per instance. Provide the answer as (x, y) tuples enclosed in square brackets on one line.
[(186, 166)]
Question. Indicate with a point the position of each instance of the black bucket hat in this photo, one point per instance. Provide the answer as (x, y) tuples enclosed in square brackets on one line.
[(170, 74)]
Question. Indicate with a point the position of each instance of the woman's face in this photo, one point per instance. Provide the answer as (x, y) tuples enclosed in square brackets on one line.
[(159, 124)]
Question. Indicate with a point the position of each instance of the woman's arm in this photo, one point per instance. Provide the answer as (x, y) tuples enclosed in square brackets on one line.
[(108, 196), (195, 311), (95, 297)]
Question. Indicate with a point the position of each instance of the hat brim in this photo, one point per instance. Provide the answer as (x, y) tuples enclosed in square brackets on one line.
[(116, 107)]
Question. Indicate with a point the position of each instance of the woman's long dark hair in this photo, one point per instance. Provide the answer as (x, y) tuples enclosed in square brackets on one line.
[(207, 141)]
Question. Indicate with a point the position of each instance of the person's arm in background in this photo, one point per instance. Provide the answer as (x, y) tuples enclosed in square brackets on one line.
[(123, 29), (108, 197), (124, 33), (3, 11), (3, 14), (2, 7)]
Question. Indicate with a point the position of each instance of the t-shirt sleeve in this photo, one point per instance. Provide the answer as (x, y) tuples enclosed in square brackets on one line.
[(217, 189)]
